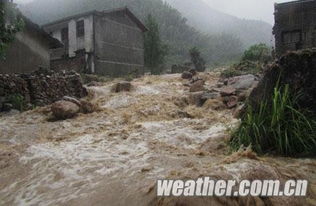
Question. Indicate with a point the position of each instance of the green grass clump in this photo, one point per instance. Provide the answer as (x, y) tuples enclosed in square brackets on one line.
[(279, 127)]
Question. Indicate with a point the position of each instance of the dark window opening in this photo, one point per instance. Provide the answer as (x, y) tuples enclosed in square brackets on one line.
[(291, 37), (64, 38), (64, 35), (80, 28)]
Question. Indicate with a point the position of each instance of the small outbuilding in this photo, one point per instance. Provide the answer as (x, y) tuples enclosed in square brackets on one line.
[(30, 50)]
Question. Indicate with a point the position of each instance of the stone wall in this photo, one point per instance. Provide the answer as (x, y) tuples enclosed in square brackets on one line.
[(77, 64), (41, 87)]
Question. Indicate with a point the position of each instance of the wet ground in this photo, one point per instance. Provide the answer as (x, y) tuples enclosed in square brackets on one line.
[(115, 155)]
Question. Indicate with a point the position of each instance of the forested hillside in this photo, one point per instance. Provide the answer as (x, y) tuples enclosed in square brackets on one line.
[(201, 16), (175, 31)]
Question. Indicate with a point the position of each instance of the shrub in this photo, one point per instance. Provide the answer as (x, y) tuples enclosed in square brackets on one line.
[(231, 72), (258, 52), (242, 68), (279, 126)]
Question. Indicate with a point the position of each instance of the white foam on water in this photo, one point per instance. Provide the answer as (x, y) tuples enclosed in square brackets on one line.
[(120, 101), (175, 133), (58, 167)]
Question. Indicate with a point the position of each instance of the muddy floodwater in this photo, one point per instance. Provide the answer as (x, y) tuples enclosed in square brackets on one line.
[(115, 156)]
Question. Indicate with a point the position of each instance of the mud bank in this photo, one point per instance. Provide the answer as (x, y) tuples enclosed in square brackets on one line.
[(115, 156)]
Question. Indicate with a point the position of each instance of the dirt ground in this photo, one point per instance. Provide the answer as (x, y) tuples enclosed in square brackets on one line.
[(115, 156)]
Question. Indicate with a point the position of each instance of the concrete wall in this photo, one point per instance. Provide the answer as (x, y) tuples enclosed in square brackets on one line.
[(119, 45), (27, 53), (295, 26)]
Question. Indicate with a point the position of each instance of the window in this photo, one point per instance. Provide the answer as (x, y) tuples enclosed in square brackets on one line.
[(291, 37), (80, 28)]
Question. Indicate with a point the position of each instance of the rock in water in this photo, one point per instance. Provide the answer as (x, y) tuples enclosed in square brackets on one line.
[(193, 72), (87, 107), (227, 91), (122, 87), (186, 75), (243, 82), (64, 109), (73, 100)]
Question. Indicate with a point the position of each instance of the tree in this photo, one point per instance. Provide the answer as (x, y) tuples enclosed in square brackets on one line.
[(155, 50), (197, 60), (10, 23)]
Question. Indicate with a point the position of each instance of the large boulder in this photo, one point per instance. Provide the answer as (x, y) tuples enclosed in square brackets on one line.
[(298, 70), (64, 109), (243, 82)]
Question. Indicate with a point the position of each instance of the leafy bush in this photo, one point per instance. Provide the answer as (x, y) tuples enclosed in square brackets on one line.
[(242, 68), (279, 126), (254, 59), (8, 13), (258, 52)]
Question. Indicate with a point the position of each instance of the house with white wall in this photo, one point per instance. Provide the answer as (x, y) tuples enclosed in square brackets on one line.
[(102, 42)]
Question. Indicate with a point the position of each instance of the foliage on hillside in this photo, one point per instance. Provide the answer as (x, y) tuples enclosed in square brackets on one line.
[(174, 30), (155, 50), (254, 59), (258, 53), (10, 24), (211, 21)]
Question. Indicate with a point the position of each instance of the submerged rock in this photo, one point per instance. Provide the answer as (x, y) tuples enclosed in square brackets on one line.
[(87, 107), (122, 87), (197, 86), (195, 98), (186, 75)]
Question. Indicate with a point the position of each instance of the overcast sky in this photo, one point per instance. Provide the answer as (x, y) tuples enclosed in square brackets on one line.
[(249, 9)]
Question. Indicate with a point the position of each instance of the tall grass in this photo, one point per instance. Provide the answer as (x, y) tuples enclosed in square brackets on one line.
[(278, 127)]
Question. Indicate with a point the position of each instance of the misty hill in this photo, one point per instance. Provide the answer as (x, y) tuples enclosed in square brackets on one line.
[(201, 16), (174, 29)]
